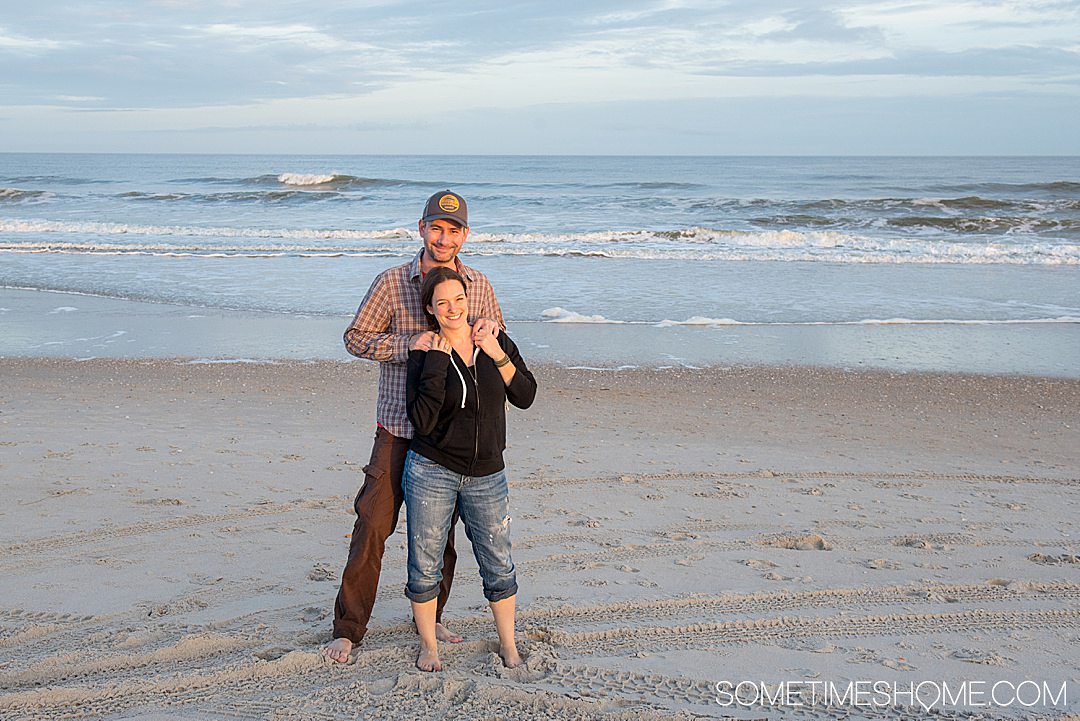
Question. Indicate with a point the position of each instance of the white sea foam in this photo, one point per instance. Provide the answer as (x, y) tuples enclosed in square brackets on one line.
[(127, 229), (698, 320), (305, 179), (702, 244), (561, 315), (63, 309)]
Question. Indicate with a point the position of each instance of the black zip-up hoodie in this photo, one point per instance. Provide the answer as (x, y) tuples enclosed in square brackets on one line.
[(460, 421)]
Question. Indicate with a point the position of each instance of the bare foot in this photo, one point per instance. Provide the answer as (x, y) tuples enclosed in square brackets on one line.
[(428, 659), (446, 635), (510, 657), (338, 650)]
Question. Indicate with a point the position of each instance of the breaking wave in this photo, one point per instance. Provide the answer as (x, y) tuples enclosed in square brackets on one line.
[(15, 195), (43, 236)]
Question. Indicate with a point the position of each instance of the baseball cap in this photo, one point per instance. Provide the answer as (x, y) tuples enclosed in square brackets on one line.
[(448, 205)]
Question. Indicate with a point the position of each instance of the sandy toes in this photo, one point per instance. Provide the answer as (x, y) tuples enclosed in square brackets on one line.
[(446, 635), (510, 658), (428, 660), (338, 650)]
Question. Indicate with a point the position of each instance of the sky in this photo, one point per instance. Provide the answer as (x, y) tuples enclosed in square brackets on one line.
[(741, 77)]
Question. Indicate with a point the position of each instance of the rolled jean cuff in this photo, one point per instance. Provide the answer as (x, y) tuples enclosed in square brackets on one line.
[(422, 596), (501, 594)]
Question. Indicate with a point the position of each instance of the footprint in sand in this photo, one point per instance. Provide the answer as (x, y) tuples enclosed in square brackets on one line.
[(979, 656), (1047, 560), (271, 654), (312, 614), (809, 542), (879, 564), (759, 564), (322, 572)]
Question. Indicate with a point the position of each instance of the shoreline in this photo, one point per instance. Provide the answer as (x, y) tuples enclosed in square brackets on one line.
[(61, 325)]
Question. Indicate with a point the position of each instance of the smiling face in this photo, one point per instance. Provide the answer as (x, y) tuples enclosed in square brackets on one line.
[(449, 305), (442, 240)]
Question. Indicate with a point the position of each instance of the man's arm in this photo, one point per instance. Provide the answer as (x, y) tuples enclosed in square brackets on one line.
[(490, 307), (490, 319), (368, 336)]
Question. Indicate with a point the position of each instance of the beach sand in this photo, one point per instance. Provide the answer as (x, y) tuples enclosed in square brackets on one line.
[(172, 534)]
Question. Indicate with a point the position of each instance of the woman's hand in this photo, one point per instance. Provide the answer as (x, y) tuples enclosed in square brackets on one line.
[(438, 343)]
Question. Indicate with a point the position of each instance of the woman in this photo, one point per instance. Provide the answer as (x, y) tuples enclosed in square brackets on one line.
[(456, 393)]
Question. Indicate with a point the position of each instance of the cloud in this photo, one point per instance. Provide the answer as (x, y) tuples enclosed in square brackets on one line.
[(23, 44), (371, 67), (964, 25), (302, 35)]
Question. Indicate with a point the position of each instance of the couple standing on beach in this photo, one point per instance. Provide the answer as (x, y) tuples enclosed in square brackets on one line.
[(446, 368)]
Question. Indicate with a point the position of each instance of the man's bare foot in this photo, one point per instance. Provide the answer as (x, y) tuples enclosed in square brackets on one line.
[(338, 650), (446, 635), (510, 657), (428, 659)]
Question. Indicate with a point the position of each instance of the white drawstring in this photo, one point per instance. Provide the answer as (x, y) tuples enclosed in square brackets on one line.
[(464, 388)]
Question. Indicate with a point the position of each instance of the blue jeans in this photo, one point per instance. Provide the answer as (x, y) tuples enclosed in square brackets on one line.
[(432, 492)]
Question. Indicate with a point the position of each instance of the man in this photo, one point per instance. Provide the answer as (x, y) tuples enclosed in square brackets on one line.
[(389, 323)]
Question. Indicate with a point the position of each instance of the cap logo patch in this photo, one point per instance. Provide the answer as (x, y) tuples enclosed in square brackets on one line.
[(449, 203)]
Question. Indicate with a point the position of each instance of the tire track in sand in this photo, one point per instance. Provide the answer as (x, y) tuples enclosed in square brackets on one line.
[(773, 630), (899, 478)]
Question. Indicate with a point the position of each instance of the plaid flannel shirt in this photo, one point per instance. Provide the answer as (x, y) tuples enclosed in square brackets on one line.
[(389, 315)]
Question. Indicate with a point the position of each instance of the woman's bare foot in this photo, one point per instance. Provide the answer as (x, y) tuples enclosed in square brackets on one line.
[(338, 650), (446, 635), (510, 657), (428, 659)]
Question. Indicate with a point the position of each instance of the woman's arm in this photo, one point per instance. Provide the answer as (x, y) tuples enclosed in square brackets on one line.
[(425, 388), (520, 383)]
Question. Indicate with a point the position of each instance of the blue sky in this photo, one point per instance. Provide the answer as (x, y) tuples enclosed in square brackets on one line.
[(498, 76)]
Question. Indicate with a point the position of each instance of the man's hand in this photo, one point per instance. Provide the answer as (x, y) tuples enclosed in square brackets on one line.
[(438, 343), (422, 341), (484, 327)]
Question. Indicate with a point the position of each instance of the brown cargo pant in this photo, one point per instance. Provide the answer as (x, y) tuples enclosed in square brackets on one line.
[(377, 506)]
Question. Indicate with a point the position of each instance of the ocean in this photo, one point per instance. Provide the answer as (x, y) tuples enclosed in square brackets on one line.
[(948, 264)]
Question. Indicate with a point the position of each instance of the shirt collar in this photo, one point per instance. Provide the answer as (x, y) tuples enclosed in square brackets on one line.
[(414, 268)]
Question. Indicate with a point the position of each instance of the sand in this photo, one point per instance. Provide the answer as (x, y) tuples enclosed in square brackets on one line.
[(171, 536)]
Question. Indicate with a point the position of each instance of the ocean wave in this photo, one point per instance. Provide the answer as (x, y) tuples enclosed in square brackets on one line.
[(891, 207), (561, 315), (698, 320), (16, 195), (987, 224), (264, 196), (130, 229), (1054, 186), (688, 243), (334, 180), (58, 179)]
